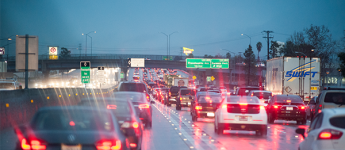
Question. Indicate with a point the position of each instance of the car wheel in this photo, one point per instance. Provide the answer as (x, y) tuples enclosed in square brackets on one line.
[(194, 118), (270, 118)]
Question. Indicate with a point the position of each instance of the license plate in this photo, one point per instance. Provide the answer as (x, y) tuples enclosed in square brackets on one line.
[(70, 147), (243, 118), (210, 114), (289, 108)]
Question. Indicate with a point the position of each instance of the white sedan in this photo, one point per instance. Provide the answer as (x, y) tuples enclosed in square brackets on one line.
[(241, 113), (325, 131)]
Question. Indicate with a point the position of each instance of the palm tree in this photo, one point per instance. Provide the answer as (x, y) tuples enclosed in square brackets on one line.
[(259, 46)]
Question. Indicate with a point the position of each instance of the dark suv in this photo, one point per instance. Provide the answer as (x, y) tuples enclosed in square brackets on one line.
[(173, 94), (245, 90)]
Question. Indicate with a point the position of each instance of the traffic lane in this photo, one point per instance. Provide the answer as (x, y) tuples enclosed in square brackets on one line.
[(281, 135), (8, 139), (130, 74), (162, 136)]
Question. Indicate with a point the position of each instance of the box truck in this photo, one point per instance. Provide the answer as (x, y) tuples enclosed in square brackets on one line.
[(294, 75)]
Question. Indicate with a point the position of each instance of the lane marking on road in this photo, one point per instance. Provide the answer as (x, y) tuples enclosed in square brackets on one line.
[(195, 131)]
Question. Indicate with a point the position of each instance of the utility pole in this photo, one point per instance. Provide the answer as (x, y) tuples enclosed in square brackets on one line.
[(268, 42)]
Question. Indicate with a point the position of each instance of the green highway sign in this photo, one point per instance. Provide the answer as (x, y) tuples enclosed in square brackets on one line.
[(165, 58), (208, 78), (122, 75), (85, 71), (207, 63)]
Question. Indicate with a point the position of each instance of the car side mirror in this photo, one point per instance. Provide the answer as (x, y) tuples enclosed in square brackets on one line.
[(153, 102), (300, 131)]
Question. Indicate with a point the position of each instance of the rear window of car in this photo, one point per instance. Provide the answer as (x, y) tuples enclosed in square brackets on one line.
[(131, 97), (174, 89), (73, 120), (262, 95), (136, 87), (214, 99), (187, 92), (235, 99), (120, 108), (285, 99), (338, 122), (333, 97), (246, 91)]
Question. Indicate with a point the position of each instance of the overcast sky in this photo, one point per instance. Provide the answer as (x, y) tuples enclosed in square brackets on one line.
[(135, 26)]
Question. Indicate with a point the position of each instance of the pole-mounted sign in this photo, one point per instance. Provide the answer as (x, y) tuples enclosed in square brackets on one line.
[(85, 71)]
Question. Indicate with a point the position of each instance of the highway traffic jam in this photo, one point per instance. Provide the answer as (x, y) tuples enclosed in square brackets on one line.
[(164, 109)]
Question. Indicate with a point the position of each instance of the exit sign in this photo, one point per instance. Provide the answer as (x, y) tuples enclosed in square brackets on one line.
[(85, 71), (207, 63)]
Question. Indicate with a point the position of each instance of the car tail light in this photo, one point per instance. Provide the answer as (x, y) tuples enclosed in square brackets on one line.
[(169, 93), (34, 145), (111, 106), (275, 106), (37, 145), (135, 124), (108, 145), (328, 134), (207, 98), (224, 106), (302, 107), (262, 107), (180, 98), (198, 107), (243, 104), (319, 111), (144, 106), (133, 145), (25, 145)]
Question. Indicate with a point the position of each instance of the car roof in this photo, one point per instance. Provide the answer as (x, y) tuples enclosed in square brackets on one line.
[(72, 108), (261, 91)]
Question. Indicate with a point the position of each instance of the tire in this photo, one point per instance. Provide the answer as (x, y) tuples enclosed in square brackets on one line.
[(178, 107), (270, 119), (219, 130), (194, 118)]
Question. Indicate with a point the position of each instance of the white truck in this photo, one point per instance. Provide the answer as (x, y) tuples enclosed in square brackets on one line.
[(294, 75), (180, 82)]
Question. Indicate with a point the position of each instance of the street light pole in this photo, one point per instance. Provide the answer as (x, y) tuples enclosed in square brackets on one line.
[(167, 44), (249, 38), (169, 41), (86, 35)]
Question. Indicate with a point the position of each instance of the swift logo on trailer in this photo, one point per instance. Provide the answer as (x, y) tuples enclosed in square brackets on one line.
[(301, 71)]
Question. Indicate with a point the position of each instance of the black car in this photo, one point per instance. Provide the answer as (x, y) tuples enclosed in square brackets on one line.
[(287, 107), (185, 97), (141, 104), (173, 94), (245, 90), (123, 109), (71, 127), (205, 105)]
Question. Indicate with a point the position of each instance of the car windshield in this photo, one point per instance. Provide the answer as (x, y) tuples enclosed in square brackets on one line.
[(212, 99), (335, 97), (188, 92), (131, 97), (136, 87), (73, 120), (262, 95), (237, 99)]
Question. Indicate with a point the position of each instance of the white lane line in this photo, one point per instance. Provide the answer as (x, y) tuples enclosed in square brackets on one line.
[(208, 140)]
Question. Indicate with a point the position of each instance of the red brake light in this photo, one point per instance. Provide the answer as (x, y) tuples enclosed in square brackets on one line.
[(243, 104), (144, 106), (302, 107), (224, 106), (181, 98), (328, 134), (25, 145), (37, 145), (133, 145), (71, 123), (198, 107), (111, 106), (207, 98), (275, 106), (135, 125), (262, 107), (319, 111), (108, 145)]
